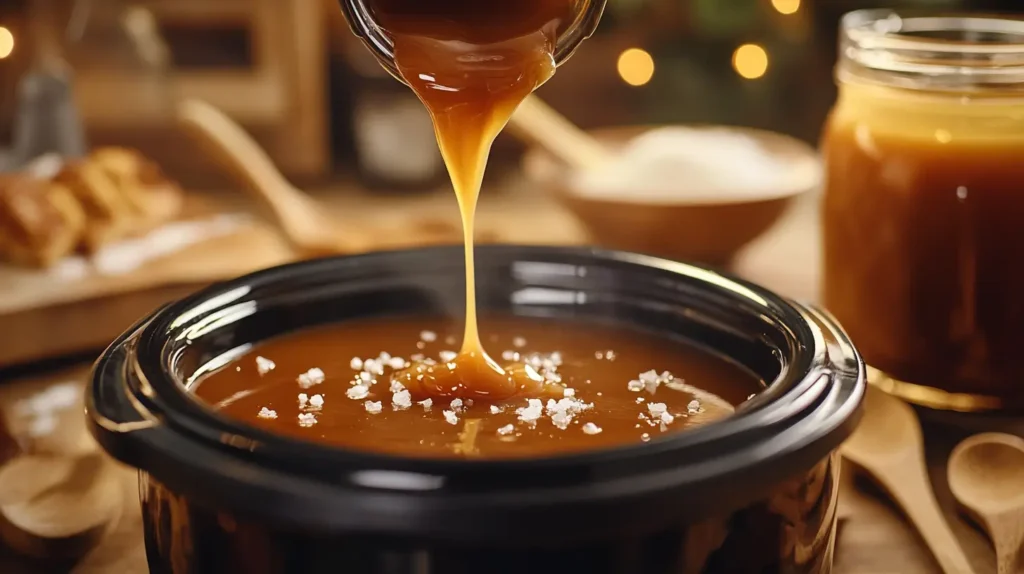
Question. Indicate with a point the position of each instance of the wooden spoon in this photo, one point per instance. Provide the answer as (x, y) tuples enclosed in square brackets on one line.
[(304, 222), (301, 218), (986, 475), (538, 123), (889, 446)]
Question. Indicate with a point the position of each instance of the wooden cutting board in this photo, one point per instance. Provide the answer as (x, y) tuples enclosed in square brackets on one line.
[(68, 310), (80, 305)]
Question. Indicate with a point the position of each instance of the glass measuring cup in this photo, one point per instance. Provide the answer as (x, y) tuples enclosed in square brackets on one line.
[(361, 19)]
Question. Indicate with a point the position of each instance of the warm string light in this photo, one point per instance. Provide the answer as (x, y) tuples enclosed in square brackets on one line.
[(750, 61), (6, 42), (636, 66), (786, 7)]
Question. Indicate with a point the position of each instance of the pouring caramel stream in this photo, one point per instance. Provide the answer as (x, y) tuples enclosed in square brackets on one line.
[(472, 63)]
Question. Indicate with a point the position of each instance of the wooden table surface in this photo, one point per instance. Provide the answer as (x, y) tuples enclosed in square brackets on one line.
[(873, 539)]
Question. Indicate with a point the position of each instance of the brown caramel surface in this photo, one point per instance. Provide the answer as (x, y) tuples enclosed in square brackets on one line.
[(923, 239), (472, 63), (622, 384)]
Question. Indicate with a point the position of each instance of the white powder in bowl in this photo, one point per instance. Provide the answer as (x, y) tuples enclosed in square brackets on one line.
[(675, 162)]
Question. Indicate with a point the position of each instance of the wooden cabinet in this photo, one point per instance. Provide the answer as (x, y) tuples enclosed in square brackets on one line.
[(278, 90)]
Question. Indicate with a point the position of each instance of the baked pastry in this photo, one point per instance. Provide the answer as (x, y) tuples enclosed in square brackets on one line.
[(40, 221), (112, 194)]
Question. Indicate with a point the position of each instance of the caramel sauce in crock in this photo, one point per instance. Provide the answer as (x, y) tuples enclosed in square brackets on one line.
[(334, 386)]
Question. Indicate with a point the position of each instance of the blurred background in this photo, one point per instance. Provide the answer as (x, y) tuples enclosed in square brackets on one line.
[(145, 211), (292, 74)]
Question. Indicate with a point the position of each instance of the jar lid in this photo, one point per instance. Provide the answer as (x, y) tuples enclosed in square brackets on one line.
[(141, 412)]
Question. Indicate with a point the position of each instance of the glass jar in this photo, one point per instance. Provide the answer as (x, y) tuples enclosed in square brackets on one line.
[(924, 205), (359, 14)]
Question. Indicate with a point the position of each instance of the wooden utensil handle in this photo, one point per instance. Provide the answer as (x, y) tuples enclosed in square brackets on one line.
[(237, 151), (1007, 532), (914, 494), (538, 123)]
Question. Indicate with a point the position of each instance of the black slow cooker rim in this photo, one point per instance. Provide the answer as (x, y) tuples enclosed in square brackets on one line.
[(834, 416)]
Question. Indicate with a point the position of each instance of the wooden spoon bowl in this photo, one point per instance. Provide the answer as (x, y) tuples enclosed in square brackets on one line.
[(685, 227)]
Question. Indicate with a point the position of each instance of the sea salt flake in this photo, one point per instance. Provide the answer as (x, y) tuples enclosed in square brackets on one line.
[(426, 404), (358, 392), (457, 405), (307, 419), (451, 417), (561, 419), (533, 411), (373, 407), (417, 357), (506, 430), (570, 392), (495, 409), (264, 365), (667, 418), (316, 401), (645, 437), (396, 386), (356, 363), (384, 357), (401, 400), (591, 428), (635, 386), (365, 377), (447, 356), (266, 413), (397, 363), (312, 377), (656, 409), (303, 400), (639, 400), (693, 407), (373, 366), (510, 356), (519, 342), (428, 336)]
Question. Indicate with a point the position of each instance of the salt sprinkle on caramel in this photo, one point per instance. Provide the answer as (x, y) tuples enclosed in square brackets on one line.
[(264, 365), (266, 413), (316, 401), (401, 400), (311, 377), (358, 392)]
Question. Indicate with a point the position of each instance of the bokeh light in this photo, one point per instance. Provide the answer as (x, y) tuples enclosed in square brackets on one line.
[(636, 67), (6, 43), (786, 7), (750, 61)]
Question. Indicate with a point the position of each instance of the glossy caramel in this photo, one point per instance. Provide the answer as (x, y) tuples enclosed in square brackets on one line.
[(924, 236), (472, 63), (597, 362)]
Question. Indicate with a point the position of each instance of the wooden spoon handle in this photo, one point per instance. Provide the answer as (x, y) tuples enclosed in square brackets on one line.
[(538, 123), (237, 151), (913, 492), (1007, 533)]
